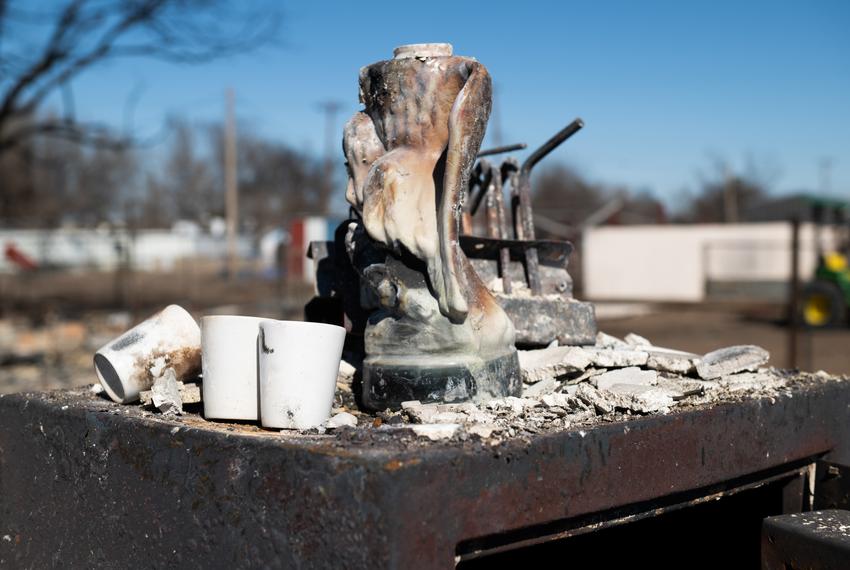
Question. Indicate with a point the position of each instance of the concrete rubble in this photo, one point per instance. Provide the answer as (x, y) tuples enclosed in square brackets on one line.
[(169, 395), (570, 385), (564, 387), (165, 393), (630, 375), (342, 419), (537, 365), (731, 360)]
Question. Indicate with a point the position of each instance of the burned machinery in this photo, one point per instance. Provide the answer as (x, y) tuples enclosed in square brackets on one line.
[(528, 276), (438, 313)]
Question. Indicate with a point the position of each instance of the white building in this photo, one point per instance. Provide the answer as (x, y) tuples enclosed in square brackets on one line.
[(694, 263)]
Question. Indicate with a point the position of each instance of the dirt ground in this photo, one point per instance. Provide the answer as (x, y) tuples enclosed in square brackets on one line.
[(51, 323), (55, 351), (701, 329)]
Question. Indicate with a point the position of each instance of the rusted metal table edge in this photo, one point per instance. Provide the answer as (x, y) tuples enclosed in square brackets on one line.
[(374, 453), (512, 540)]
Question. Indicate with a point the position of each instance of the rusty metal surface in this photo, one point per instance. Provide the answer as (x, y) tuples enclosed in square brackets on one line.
[(539, 320), (812, 541), (832, 486), (84, 482)]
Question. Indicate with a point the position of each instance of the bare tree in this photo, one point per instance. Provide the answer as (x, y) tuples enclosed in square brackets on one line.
[(276, 182), (184, 186), (43, 47), (564, 201), (725, 195), (48, 181), (563, 195)]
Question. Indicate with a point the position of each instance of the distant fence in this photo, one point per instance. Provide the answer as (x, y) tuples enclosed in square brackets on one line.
[(146, 250), (694, 263)]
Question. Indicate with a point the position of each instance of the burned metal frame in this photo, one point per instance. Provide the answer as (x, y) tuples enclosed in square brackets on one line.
[(73, 467), (524, 198), (490, 180)]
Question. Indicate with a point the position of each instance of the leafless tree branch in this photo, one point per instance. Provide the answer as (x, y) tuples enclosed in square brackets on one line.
[(87, 32)]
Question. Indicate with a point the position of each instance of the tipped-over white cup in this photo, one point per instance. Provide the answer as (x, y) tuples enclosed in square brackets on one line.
[(298, 366), (130, 363), (229, 355)]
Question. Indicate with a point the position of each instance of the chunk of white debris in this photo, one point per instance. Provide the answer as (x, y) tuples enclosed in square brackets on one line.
[(96, 388), (607, 341), (511, 403), (630, 375), (346, 372), (484, 431), (680, 388), (190, 392), (591, 396), (342, 419), (589, 373), (557, 400), (640, 398), (731, 360), (537, 365), (165, 393), (435, 432), (751, 381), (543, 387), (410, 404), (674, 361), (465, 408), (616, 357), (448, 418), (636, 340), (423, 413)]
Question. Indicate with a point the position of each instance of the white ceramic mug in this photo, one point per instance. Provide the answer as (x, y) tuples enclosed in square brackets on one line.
[(298, 365), (130, 363), (229, 355)]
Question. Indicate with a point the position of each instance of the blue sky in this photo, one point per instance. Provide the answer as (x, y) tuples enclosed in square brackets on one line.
[(662, 86)]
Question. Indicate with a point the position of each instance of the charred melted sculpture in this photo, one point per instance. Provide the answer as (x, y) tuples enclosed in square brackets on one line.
[(435, 332)]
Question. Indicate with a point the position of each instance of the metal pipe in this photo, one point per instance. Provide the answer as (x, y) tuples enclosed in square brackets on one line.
[(794, 297), (482, 175), (551, 145), (496, 202), (502, 149), (532, 264)]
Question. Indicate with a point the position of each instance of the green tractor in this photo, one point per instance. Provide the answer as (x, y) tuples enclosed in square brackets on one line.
[(827, 297)]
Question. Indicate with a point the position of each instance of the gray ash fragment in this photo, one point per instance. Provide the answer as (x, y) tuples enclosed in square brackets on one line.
[(640, 398), (165, 393), (680, 388), (750, 381), (636, 340), (607, 341), (731, 360), (674, 361), (342, 419), (593, 398), (616, 358), (550, 363), (539, 389), (629, 375)]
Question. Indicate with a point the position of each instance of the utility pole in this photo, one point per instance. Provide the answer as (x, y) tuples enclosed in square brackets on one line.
[(496, 119), (330, 109), (730, 196), (825, 165), (231, 199)]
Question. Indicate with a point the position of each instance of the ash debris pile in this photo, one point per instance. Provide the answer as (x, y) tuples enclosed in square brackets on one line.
[(570, 387)]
